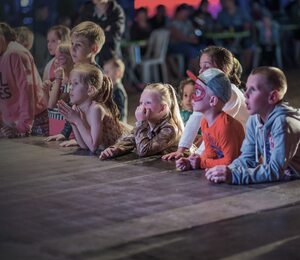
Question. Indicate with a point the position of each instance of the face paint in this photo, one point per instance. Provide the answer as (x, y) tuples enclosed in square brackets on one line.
[(199, 93)]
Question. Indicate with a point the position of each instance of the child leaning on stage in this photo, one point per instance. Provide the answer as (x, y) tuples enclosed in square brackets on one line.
[(158, 125), (87, 39), (221, 58), (212, 91), (94, 115), (23, 107), (114, 68), (271, 149)]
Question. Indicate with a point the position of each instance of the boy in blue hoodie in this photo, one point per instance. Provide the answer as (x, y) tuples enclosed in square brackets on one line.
[(271, 149)]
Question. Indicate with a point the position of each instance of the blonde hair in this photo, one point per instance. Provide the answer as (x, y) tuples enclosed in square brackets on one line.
[(90, 75), (24, 36), (62, 32), (91, 31), (274, 79), (118, 64), (223, 59), (167, 95)]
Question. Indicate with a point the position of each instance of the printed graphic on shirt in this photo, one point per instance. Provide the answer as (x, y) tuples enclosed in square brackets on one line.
[(212, 143), (4, 89)]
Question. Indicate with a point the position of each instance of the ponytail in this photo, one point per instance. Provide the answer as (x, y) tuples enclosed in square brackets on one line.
[(174, 109), (105, 96)]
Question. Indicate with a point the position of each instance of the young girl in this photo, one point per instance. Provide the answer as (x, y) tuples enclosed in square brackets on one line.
[(55, 36), (158, 127), (59, 88), (186, 89), (94, 115), (221, 58)]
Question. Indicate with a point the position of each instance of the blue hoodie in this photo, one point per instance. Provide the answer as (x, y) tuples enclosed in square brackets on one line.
[(270, 151)]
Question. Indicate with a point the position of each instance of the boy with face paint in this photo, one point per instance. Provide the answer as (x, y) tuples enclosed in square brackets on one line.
[(222, 134)]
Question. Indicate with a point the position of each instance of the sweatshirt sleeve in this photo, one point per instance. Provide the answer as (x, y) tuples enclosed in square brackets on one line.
[(23, 74), (191, 130), (244, 170), (148, 143), (229, 146)]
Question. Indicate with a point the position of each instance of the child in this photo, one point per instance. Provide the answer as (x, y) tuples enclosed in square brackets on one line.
[(221, 58), (24, 37), (158, 125), (94, 115), (114, 68), (212, 91), (186, 89), (273, 133), (87, 39), (60, 88), (64, 65), (56, 35), (22, 103)]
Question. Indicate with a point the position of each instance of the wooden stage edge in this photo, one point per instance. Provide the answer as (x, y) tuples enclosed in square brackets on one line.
[(61, 203)]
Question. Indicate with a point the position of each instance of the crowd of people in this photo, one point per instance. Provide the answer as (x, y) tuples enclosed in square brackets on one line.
[(239, 133)]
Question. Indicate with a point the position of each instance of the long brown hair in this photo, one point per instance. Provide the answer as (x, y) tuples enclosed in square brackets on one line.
[(90, 75), (223, 60)]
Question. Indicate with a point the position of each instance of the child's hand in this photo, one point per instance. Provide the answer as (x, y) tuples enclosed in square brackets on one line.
[(175, 155), (70, 114), (59, 73), (142, 113), (218, 174), (58, 137), (194, 161), (183, 164), (68, 143), (47, 85), (108, 153)]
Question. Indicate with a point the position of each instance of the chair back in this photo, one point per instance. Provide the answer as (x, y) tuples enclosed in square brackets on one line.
[(158, 44)]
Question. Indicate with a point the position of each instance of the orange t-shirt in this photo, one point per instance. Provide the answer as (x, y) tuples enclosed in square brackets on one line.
[(222, 141)]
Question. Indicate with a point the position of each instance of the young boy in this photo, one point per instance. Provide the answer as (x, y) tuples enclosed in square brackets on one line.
[(87, 39), (212, 91), (271, 150), (23, 108), (114, 68)]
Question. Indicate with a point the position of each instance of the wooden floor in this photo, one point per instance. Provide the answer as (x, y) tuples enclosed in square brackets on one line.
[(60, 203)]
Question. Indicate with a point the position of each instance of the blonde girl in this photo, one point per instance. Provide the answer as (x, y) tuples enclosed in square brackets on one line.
[(158, 124), (56, 35), (94, 115)]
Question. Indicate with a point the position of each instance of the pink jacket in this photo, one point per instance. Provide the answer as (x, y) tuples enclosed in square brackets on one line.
[(21, 93)]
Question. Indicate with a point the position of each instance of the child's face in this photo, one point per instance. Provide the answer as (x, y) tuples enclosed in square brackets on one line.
[(186, 101), (81, 50), (111, 71), (52, 42), (205, 63), (150, 100), (79, 91), (257, 95), (201, 97)]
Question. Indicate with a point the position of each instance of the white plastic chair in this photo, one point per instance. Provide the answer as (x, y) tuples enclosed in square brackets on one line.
[(155, 57)]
